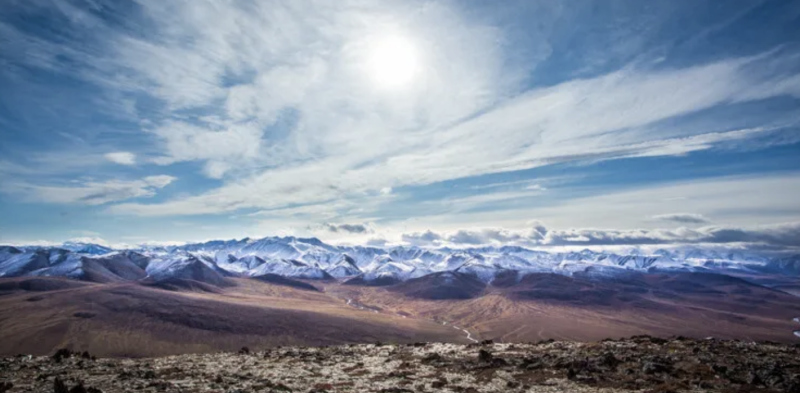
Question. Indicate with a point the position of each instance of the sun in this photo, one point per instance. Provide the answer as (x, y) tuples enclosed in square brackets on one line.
[(393, 61)]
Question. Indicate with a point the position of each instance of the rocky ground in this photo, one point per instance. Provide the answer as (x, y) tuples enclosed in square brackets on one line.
[(641, 364)]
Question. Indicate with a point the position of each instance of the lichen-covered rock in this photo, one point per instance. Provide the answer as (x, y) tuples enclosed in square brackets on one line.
[(638, 364)]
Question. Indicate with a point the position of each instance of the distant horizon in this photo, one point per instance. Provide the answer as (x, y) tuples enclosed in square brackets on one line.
[(649, 248)]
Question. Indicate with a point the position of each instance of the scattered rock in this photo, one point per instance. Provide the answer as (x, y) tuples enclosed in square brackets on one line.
[(636, 364)]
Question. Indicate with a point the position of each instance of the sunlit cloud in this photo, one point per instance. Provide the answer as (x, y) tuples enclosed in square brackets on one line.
[(121, 157), (402, 114)]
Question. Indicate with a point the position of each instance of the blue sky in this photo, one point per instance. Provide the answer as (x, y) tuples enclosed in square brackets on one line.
[(431, 122)]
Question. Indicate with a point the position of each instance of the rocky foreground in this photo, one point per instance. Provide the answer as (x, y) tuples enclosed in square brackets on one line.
[(641, 364)]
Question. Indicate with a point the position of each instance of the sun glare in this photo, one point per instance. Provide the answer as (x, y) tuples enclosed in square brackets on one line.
[(393, 61)]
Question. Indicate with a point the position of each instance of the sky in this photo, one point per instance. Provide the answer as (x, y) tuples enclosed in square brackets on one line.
[(401, 122)]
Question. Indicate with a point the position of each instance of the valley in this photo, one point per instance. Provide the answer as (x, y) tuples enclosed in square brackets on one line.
[(288, 291)]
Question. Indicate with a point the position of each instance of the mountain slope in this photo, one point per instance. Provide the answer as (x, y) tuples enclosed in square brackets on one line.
[(133, 320)]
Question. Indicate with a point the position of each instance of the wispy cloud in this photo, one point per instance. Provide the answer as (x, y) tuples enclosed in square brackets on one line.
[(93, 193), (347, 228), (271, 104), (581, 120), (683, 218), (759, 200)]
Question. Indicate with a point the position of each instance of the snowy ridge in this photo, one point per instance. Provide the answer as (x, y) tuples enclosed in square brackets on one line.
[(310, 258)]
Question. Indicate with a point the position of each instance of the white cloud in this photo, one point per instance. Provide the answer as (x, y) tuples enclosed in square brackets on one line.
[(588, 119), (121, 157), (92, 192), (780, 235), (272, 99), (221, 147)]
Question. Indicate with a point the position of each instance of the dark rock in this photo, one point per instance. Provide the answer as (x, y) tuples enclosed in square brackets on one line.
[(655, 368), (754, 379), (548, 341), (607, 360), (432, 358), (61, 354), (244, 351), (59, 386), (571, 374), (645, 338), (160, 385), (531, 363), (484, 356), (5, 386), (658, 340), (78, 388)]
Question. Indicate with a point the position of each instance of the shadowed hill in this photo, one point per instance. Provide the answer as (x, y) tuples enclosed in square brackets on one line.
[(441, 286), (135, 320), (280, 280)]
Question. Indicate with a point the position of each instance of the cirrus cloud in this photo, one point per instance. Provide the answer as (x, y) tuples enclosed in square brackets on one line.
[(93, 192)]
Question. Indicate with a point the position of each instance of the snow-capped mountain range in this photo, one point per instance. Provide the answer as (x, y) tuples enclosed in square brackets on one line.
[(310, 258)]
